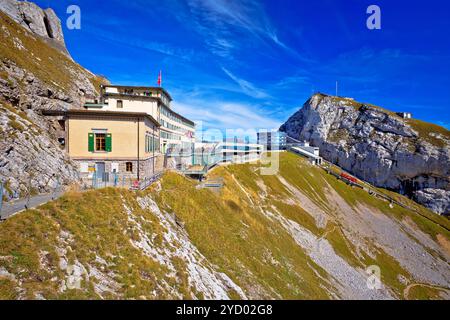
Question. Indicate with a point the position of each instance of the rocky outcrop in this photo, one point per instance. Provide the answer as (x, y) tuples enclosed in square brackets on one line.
[(408, 156), (43, 23), (436, 199), (36, 74)]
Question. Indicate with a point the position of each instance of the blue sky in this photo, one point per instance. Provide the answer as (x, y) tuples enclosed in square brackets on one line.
[(252, 64)]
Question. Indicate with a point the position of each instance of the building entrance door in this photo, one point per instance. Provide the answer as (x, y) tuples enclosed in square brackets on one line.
[(100, 169)]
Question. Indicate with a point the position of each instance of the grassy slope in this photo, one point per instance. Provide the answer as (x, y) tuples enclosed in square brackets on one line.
[(229, 229), (300, 174), (32, 54)]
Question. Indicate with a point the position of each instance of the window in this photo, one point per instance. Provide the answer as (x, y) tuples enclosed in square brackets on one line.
[(151, 144), (119, 104), (100, 142), (129, 166)]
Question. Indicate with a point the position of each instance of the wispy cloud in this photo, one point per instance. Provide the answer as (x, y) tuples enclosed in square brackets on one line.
[(293, 81), (158, 47), (225, 23), (224, 115), (247, 87)]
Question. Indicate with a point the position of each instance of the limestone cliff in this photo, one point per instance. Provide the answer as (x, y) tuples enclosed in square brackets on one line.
[(43, 23), (404, 155), (35, 73)]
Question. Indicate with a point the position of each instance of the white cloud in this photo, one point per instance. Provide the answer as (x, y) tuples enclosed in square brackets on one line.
[(293, 81), (222, 115), (247, 87), (224, 23)]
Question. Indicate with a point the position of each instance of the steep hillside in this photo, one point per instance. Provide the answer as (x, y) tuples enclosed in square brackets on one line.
[(35, 74), (42, 23), (300, 234), (404, 155)]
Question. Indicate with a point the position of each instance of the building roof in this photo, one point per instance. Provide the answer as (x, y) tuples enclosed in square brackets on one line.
[(154, 98), (100, 113), (139, 88), (182, 117)]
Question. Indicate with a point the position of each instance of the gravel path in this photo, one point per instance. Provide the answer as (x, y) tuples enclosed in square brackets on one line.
[(11, 208)]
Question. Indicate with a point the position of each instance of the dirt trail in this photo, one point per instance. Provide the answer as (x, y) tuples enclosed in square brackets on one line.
[(413, 285)]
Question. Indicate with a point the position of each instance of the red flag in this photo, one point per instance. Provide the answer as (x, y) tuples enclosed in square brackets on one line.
[(160, 79)]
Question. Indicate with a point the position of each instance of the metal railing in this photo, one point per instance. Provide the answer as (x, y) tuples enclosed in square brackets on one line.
[(115, 180), (147, 182)]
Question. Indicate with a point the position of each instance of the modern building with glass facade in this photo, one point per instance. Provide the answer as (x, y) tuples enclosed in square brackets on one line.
[(273, 140)]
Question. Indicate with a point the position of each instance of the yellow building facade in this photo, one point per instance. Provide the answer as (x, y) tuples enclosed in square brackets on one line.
[(177, 132), (127, 133), (106, 143)]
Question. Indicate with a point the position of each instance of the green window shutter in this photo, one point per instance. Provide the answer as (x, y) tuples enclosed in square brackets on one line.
[(108, 142), (91, 140)]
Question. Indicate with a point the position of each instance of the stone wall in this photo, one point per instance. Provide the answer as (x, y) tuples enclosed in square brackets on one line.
[(148, 167)]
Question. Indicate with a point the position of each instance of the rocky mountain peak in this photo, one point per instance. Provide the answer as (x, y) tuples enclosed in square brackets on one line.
[(377, 145), (44, 23), (36, 73)]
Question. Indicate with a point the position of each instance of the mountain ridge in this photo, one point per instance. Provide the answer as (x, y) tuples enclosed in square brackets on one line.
[(404, 155)]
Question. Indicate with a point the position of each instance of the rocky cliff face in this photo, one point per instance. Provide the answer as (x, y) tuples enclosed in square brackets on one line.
[(43, 23), (35, 73), (405, 155)]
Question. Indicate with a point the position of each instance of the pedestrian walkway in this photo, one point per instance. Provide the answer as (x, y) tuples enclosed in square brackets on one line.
[(11, 208)]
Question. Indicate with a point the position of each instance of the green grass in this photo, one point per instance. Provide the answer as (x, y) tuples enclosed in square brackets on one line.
[(425, 293), (229, 228), (5, 106), (48, 64), (16, 125), (426, 131), (97, 226), (390, 270), (238, 240)]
